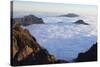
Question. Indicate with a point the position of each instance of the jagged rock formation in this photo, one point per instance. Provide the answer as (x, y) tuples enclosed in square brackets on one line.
[(90, 55), (69, 15), (25, 50), (28, 20), (81, 22)]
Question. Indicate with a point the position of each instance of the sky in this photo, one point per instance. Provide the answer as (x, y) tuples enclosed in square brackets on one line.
[(29, 6)]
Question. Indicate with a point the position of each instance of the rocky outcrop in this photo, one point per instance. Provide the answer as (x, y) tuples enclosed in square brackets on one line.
[(28, 20), (90, 55), (25, 50), (69, 15), (81, 22)]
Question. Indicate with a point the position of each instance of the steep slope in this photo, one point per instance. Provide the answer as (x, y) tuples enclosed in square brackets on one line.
[(90, 55), (25, 50)]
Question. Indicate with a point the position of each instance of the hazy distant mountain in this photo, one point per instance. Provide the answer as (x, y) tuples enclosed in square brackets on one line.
[(69, 15), (80, 22), (27, 20)]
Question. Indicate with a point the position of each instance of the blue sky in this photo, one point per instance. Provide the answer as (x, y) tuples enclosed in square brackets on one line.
[(29, 6)]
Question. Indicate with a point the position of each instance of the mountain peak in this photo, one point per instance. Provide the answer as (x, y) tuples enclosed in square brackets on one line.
[(28, 20), (69, 15), (80, 22)]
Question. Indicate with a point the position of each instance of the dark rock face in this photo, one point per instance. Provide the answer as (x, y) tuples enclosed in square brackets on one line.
[(25, 50), (61, 61), (69, 15), (90, 55), (81, 22), (28, 20)]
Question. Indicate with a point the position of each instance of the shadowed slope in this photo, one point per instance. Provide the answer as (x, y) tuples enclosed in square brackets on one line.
[(90, 55)]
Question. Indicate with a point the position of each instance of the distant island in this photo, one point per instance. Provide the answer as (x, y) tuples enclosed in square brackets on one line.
[(80, 22), (69, 15), (28, 20)]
